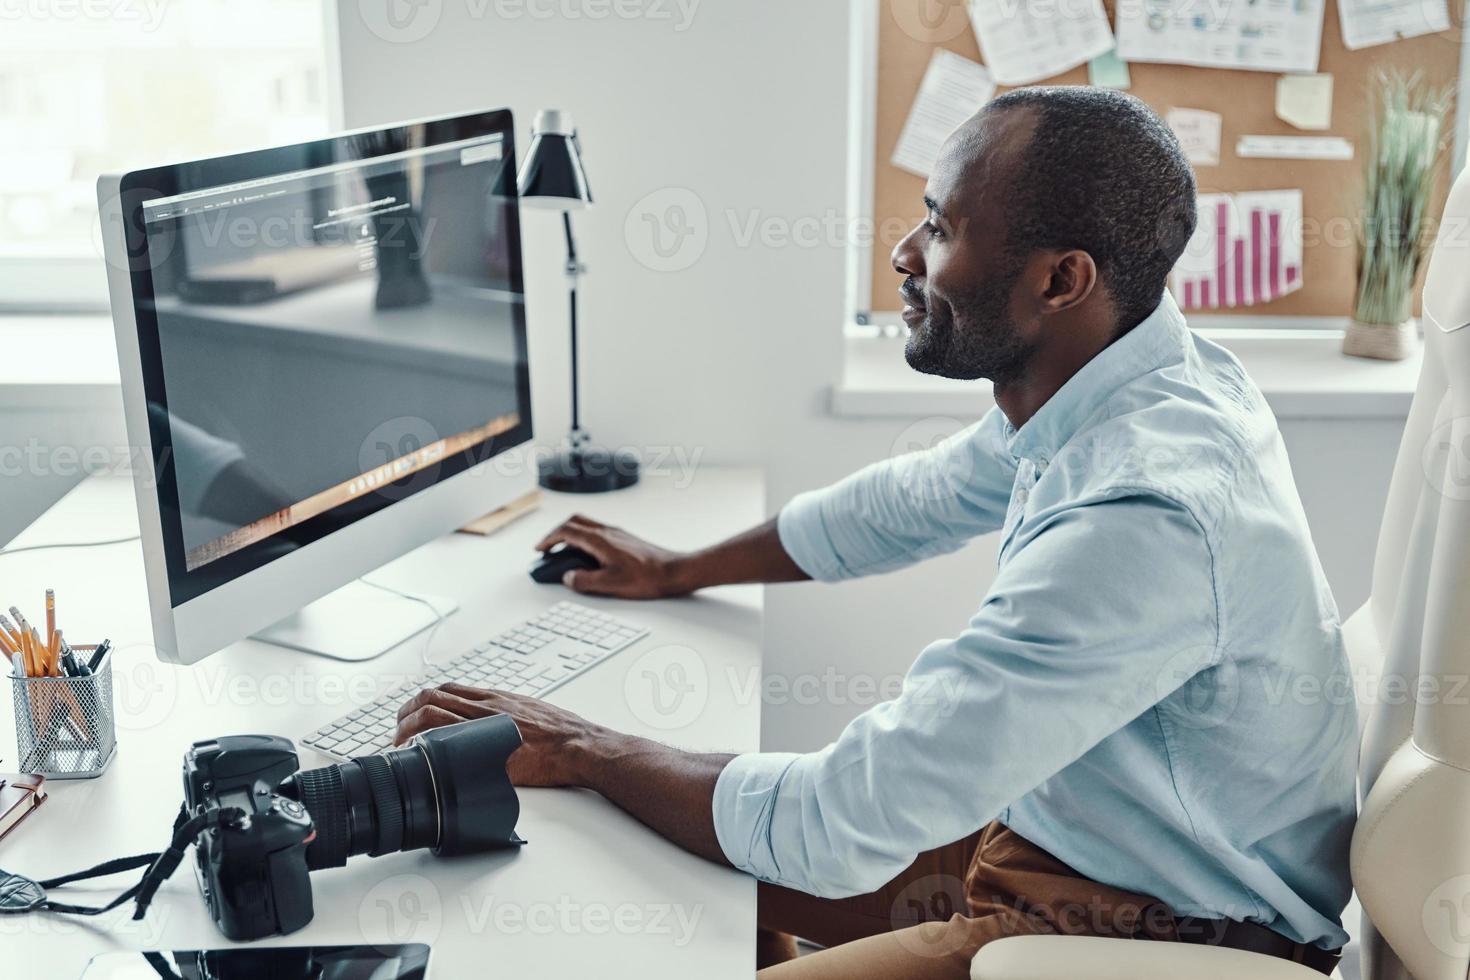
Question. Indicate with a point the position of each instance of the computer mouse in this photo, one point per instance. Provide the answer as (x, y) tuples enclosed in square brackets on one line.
[(552, 565)]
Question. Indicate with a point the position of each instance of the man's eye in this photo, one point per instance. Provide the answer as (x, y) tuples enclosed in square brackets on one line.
[(933, 229)]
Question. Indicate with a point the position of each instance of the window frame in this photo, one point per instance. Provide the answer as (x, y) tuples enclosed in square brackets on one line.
[(77, 283)]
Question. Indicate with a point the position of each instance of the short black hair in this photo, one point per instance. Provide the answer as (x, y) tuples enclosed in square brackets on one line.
[(1102, 173)]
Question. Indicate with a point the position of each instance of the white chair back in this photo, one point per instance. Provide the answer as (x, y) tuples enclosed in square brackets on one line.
[(1411, 848)]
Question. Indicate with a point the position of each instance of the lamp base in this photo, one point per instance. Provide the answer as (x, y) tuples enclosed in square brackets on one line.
[(588, 470)]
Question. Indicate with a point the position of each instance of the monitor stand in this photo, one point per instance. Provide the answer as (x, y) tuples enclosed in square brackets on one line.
[(357, 622)]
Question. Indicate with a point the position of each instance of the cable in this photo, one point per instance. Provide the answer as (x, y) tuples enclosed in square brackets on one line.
[(68, 544), (439, 617)]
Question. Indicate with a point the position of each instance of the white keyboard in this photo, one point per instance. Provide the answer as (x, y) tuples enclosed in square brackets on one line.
[(531, 659)]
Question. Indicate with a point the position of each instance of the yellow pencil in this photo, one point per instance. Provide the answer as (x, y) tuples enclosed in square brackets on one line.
[(43, 658), (11, 633), (50, 619), (30, 660)]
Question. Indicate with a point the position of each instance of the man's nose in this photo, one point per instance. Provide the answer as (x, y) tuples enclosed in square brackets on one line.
[(908, 257)]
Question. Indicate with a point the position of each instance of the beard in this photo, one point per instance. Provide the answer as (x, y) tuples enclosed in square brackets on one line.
[(975, 337)]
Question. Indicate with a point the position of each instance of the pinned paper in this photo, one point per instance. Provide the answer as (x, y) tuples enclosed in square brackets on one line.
[(1255, 36), (1109, 71), (1295, 147), (1246, 250), (953, 90), (1305, 101), (1368, 22), (1024, 41), (1199, 134)]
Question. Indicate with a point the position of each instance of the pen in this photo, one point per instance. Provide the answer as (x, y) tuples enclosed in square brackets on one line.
[(69, 663), (98, 654)]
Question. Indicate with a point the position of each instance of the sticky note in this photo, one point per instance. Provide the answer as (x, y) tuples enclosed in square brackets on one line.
[(1199, 134), (1305, 101), (1109, 71)]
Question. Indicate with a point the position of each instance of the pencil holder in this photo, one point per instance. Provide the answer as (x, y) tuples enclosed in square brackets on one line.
[(65, 726)]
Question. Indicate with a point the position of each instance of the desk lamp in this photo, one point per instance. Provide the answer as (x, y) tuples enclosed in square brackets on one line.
[(552, 178)]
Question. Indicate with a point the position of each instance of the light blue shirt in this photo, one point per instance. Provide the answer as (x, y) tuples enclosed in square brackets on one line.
[(1154, 690)]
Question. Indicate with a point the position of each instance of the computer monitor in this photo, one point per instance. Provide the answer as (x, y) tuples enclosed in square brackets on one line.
[(323, 351)]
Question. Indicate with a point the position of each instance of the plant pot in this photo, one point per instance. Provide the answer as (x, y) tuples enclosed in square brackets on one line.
[(1385, 342)]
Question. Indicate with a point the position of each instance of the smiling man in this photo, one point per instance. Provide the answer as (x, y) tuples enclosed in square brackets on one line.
[(1114, 749)]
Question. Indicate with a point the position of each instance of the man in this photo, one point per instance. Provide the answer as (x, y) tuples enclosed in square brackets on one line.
[(1116, 743)]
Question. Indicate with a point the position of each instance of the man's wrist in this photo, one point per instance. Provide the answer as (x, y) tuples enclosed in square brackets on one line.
[(591, 755), (682, 575)]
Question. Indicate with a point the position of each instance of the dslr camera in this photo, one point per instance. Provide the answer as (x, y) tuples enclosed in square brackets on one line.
[(447, 789)]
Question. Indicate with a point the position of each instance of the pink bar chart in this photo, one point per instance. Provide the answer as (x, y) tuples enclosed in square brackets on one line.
[(1246, 250)]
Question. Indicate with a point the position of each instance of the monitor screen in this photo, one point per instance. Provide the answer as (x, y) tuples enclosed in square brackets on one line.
[(325, 330)]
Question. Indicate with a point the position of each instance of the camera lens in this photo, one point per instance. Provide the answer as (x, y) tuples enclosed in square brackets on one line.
[(446, 789)]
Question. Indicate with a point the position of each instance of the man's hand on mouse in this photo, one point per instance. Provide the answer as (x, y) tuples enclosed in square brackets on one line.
[(550, 735), (631, 568)]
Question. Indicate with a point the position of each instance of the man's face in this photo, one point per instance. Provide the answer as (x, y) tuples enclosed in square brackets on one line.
[(959, 294)]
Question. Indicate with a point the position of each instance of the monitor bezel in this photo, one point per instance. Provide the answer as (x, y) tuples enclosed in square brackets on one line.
[(136, 187)]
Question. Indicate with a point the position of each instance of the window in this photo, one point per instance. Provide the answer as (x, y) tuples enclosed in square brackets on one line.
[(88, 86)]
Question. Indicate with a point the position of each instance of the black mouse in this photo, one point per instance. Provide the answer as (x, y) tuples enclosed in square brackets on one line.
[(552, 565)]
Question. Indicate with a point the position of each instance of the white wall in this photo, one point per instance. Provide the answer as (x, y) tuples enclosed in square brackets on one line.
[(49, 442), (732, 357)]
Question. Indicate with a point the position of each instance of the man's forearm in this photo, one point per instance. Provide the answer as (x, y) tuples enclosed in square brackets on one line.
[(669, 790), (754, 556)]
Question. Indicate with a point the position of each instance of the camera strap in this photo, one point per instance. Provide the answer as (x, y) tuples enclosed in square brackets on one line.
[(19, 894)]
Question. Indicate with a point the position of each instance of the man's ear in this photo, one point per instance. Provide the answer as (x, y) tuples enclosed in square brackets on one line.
[(1070, 278)]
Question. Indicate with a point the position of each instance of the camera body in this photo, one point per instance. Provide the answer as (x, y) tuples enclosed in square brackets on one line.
[(446, 790), (253, 870)]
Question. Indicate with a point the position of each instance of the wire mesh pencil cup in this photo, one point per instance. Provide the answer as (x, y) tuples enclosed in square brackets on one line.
[(65, 727)]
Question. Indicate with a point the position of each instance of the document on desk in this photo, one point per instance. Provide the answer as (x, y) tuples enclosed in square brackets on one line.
[(1255, 35), (1369, 22), (1024, 41), (954, 88)]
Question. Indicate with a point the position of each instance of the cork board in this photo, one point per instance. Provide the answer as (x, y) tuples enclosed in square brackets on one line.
[(1331, 190)]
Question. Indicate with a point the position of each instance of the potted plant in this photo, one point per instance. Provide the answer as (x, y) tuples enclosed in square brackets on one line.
[(1406, 139)]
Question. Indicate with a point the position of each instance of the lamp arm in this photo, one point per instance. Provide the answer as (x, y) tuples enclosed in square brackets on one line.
[(574, 270)]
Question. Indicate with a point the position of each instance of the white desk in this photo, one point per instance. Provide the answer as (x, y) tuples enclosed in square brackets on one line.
[(593, 894)]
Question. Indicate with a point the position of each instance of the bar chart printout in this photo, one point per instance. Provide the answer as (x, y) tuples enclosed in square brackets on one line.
[(1246, 250)]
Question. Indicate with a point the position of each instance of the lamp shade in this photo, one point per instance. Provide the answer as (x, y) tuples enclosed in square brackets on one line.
[(551, 175)]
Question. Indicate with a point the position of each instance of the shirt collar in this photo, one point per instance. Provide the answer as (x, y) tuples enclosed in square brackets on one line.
[(1156, 341)]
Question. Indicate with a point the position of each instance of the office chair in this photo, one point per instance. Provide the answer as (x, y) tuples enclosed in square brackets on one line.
[(1411, 846)]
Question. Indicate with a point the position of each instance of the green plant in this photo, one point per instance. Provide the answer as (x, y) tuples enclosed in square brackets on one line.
[(1406, 138)]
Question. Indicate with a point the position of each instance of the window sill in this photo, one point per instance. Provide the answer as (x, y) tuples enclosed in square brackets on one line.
[(1303, 374), (58, 361)]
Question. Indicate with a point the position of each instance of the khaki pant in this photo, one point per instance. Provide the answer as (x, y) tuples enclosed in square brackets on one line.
[(931, 920)]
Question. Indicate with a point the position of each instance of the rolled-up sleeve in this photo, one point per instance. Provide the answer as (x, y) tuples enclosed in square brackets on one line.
[(904, 509), (1106, 611)]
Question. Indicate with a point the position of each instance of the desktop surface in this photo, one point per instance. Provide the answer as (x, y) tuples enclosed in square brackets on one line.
[(593, 893)]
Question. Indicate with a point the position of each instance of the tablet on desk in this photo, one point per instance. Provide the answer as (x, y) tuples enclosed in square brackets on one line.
[(383, 962)]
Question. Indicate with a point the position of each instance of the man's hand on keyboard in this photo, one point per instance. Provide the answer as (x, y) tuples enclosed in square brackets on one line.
[(631, 567), (548, 733), (666, 788)]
